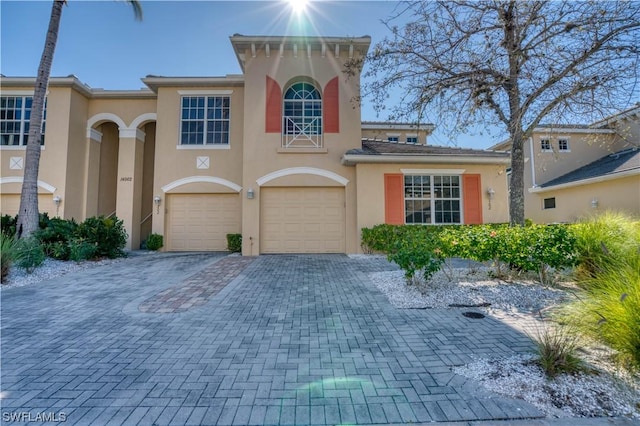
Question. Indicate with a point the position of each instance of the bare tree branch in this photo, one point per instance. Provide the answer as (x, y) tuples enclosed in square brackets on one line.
[(514, 63)]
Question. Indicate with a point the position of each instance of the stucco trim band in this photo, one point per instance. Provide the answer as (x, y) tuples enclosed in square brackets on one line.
[(18, 179), (199, 179), (432, 171), (302, 171)]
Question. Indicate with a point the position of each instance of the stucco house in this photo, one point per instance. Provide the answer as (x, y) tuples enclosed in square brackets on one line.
[(572, 171), (277, 153)]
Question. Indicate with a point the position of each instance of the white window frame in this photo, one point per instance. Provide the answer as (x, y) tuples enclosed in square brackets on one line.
[(393, 137), (414, 137), (565, 141), (546, 141), (23, 133), (432, 199), (205, 94), (297, 130)]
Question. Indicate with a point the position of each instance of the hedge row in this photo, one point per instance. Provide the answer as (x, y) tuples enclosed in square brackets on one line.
[(96, 237), (424, 248)]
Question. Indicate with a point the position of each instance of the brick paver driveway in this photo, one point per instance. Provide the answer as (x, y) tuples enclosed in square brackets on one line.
[(208, 339)]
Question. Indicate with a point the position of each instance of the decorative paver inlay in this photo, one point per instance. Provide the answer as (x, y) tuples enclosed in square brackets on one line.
[(198, 288)]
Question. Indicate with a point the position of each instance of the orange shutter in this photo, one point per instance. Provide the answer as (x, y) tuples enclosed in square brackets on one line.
[(331, 107), (273, 117), (472, 199), (394, 199)]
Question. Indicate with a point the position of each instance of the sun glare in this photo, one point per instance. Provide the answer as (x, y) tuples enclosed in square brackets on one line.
[(298, 6)]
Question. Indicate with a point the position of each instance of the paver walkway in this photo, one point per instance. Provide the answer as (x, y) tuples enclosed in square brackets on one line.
[(290, 340)]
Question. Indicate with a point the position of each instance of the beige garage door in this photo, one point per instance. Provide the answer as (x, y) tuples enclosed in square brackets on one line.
[(302, 220), (10, 204), (201, 222)]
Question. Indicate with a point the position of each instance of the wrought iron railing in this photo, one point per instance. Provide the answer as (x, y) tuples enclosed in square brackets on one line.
[(298, 134)]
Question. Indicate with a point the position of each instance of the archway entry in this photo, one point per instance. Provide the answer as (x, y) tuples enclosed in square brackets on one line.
[(108, 169)]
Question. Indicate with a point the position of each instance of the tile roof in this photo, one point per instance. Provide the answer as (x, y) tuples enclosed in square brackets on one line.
[(621, 161), (379, 147)]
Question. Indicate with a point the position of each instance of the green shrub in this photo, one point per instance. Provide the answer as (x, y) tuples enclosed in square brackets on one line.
[(552, 246), (80, 249), (385, 238), (106, 233), (608, 308), (29, 253), (8, 225), (234, 243), (8, 254), (417, 253), (56, 237), (531, 248), (556, 350), (604, 239), (154, 242)]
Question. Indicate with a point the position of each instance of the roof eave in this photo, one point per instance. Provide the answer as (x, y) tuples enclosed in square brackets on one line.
[(241, 43), (353, 159), (154, 83), (69, 81), (587, 181)]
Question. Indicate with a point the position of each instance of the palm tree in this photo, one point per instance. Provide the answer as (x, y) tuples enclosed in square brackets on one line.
[(28, 213)]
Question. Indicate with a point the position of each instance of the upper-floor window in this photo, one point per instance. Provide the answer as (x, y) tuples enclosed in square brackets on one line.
[(393, 139), (15, 114), (563, 145), (412, 139), (302, 118), (432, 199), (545, 144), (205, 120)]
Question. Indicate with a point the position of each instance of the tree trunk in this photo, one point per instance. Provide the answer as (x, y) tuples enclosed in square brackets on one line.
[(516, 185), (28, 213)]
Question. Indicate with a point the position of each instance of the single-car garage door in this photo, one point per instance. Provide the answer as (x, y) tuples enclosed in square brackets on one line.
[(201, 222), (10, 204), (302, 220)]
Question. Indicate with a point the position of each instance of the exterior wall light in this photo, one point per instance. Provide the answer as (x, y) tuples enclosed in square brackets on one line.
[(250, 194), (57, 200), (491, 193), (157, 201), (594, 203)]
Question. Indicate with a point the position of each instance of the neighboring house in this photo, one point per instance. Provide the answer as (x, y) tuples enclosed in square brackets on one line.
[(574, 171), (397, 132), (275, 154)]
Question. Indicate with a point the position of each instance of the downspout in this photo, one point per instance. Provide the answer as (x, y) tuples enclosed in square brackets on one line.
[(533, 168)]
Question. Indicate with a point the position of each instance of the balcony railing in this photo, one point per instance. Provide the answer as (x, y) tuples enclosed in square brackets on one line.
[(302, 135)]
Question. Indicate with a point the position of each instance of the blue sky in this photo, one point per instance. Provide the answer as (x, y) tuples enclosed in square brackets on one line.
[(102, 44)]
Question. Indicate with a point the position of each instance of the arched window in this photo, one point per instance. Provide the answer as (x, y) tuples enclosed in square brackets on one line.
[(302, 118)]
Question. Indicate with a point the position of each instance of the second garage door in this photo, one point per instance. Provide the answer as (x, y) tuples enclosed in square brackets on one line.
[(201, 222), (302, 220)]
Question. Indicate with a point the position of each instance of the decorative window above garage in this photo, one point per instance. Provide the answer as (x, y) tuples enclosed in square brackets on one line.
[(304, 113), (302, 117)]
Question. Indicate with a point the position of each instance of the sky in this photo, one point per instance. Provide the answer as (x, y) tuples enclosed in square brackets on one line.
[(102, 44)]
